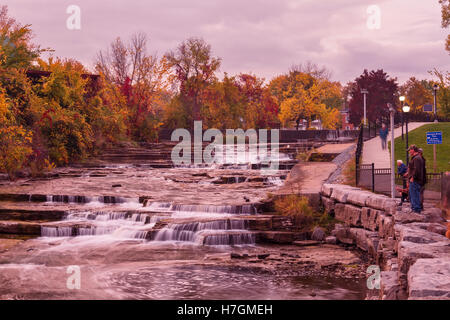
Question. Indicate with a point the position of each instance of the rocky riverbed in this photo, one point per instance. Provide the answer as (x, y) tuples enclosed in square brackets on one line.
[(143, 229)]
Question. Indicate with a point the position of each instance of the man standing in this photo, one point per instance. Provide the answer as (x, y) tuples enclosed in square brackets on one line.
[(416, 178), (422, 188), (383, 136)]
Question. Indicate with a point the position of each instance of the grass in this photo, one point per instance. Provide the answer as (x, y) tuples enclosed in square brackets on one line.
[(303, 215), (418, 137), (349, 172)]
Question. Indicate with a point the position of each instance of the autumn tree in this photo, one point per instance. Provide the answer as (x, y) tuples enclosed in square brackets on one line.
[(382, 90), (195, 68), (142, 78), (307, 96), (261, 108), (417, 94), (446, 19), (443, 92)]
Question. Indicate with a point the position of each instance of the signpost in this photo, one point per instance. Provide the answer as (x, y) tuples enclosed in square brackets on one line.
[(434, 138), (428, 108)]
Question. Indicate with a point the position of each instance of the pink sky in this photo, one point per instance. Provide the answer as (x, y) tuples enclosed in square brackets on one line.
[(262, 37)]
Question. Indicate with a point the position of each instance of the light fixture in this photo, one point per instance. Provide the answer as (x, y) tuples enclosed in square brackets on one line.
[(406, 108), (402, 98)]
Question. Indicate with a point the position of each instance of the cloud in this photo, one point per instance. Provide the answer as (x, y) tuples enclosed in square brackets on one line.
[(263, 37)]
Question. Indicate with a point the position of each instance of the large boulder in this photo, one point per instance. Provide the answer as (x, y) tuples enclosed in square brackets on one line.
[(365, 240), (410, 252), (415, 234), (344, 235), (429, 279), (433, 215), (318, 234)]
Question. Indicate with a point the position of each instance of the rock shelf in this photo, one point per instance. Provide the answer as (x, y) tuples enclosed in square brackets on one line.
[(410, 249)]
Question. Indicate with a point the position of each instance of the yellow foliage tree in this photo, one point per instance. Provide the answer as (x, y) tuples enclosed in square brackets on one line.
[(15, 141), (305, 97)]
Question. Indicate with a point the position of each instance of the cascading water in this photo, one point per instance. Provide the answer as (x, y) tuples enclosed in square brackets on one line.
[(112, 221), (220, 232)]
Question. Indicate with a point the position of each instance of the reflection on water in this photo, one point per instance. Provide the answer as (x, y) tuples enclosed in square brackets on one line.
[(229, 283)]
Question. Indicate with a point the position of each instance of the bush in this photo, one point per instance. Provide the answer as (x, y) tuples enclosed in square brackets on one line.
[(306, 218), (296, 207)]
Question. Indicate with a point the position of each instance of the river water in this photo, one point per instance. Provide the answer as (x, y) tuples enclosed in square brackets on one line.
[(176, 244)]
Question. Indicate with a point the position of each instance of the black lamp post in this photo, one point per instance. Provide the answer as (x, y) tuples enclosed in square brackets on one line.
[(435, 89), (406, 109), (402, 99)]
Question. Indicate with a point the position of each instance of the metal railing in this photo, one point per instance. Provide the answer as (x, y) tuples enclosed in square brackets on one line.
[(358, 152)]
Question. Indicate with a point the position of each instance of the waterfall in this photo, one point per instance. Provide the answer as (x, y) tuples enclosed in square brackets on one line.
[(229, 239), (86, 199), (191, 231), (56, 231), (230, 209)]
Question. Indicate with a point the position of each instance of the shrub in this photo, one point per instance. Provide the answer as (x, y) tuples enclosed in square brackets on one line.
[(296, 207)]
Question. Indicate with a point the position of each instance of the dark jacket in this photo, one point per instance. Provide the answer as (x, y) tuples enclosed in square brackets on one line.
[(416, 170), (401, 169), (384, 133)]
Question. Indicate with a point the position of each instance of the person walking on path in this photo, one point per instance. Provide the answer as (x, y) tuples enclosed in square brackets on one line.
[(415, 178), (383, 135), (401, 171), (422, 188)]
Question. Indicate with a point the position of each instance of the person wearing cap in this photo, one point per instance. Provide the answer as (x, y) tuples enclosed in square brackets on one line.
[(416, 178), (422, 188)]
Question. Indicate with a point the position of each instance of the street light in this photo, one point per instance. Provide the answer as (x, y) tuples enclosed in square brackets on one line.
[(435, 89), (402, 99), (391, 112), (405, 110), (365, 92)]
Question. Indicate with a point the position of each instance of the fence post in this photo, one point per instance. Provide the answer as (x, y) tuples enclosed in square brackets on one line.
[(373, 177)]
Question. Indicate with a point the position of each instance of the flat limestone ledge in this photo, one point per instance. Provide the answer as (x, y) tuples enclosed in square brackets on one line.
[(358, 197), (429, 279)]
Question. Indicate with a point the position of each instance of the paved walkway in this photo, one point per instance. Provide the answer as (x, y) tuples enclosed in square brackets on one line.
[(372, 152)]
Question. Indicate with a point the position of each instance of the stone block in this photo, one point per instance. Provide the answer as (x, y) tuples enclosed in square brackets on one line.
[(369, 218), (429, 279), (331, 240), (328, 205), (385, 226), (377, 201), (327, 189), (389, 285), (358, 197), (352, 215), (410, 252), (344, 235)]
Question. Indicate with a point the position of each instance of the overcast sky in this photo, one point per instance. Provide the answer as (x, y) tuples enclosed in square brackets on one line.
[(261, 37)]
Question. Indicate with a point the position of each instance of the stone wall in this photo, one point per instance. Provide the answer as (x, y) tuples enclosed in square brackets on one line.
[(410, 249)]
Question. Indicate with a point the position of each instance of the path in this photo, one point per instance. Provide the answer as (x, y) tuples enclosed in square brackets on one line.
[(372, 152)]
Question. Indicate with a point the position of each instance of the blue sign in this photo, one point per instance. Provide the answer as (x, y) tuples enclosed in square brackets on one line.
[(434, 137), (428, 108)]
